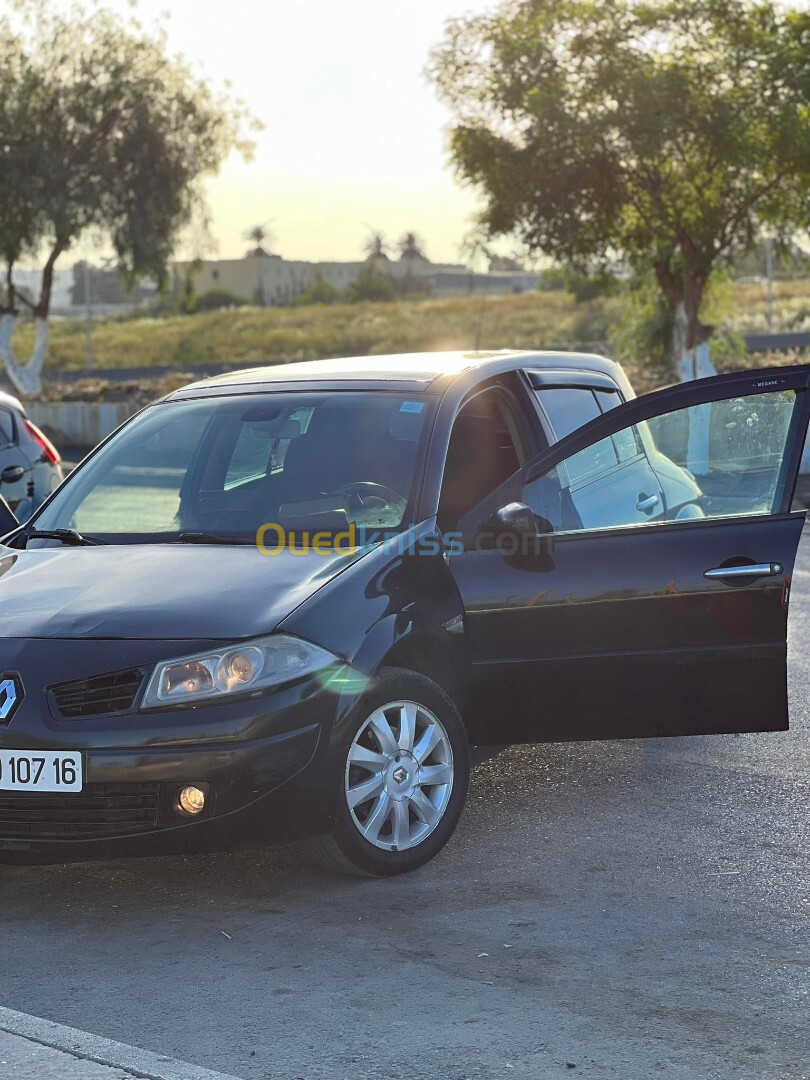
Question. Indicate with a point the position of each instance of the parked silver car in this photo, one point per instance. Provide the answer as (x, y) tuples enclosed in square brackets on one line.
[(30, 465)]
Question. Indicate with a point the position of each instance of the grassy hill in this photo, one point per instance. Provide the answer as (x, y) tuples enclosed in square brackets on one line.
[(247, 336)]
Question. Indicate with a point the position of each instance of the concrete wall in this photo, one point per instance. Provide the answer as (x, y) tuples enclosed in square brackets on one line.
[(79, 423)]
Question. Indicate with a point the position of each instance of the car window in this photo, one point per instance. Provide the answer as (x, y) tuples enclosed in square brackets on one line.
[(304, 461), (592, 462), (627, 444), (139, 490), (6, 428), (596, 460), (568, 408), (251, 457), (482, 454), (734, 449), (715, 460), (608, 399), (261, 447)]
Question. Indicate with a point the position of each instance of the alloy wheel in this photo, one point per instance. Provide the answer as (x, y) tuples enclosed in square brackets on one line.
[(399, 775)]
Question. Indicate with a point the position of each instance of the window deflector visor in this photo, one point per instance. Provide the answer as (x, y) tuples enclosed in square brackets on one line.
[(701, 391)]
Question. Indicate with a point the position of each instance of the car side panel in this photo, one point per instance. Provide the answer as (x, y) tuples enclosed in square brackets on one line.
[(620, 635), (399, 598)]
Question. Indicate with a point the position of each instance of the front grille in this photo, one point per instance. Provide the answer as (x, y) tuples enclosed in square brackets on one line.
[(97, 696), (100, 810)]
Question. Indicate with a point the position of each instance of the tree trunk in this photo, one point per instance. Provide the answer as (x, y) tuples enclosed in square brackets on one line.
[(688, 332), (10, 287), (44, 305), (680, 334), (694, 287), (26, 379)]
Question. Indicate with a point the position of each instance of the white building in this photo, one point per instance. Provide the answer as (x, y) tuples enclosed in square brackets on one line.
[(269, 281)]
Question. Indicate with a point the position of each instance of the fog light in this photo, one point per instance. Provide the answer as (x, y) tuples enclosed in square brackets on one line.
[(191, 800)]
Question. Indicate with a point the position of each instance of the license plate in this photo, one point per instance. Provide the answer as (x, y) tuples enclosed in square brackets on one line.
[(40, 770)]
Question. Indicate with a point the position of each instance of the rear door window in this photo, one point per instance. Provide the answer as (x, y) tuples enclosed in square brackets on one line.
[(608, 399), (568, 408), (6, 428)]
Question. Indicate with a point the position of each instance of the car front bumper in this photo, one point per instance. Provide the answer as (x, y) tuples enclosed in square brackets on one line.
[(261, 760)]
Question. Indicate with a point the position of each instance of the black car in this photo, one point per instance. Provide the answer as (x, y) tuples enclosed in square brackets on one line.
[(289, 600), (30, 465)]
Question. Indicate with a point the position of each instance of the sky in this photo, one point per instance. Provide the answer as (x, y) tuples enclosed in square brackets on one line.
[(354, 137)]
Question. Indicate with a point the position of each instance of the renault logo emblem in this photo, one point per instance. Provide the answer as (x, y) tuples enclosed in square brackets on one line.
[(11, 694)]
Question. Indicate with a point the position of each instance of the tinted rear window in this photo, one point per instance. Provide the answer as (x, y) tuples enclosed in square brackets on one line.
[(568, 409)]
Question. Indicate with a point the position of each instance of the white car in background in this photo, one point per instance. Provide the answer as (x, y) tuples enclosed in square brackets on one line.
[(30, 465)]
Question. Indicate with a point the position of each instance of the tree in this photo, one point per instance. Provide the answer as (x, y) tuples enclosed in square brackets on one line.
[(259, 235), (372, 285), (665, 133), (410, 248), (103, 132), (376, 247), (318, 292)]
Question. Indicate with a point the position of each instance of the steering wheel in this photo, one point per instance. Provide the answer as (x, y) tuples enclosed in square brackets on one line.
[(379, 491)]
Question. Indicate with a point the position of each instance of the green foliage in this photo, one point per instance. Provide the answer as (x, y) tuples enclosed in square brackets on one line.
[(585, 285), (371, 285), (591, 326), (103, 131), (252, 335), (552, 279), (582, 284), (215, 299), (642, 330), (662, 131), (318, 292)]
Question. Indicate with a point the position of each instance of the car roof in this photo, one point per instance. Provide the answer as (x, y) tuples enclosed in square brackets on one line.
[(426, 371), (10, 402)]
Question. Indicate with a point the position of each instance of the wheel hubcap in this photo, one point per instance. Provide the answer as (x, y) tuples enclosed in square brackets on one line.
[(399, 775)]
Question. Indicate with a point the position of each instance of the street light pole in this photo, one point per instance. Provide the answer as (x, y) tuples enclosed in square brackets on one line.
[(88, 314)]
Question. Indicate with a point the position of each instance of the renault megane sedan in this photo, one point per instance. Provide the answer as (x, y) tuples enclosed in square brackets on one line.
[(288, 601)]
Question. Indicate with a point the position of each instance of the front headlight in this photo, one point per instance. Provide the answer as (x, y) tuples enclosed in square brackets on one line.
[(235, 669)]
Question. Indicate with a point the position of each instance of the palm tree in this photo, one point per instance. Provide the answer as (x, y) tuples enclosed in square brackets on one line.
[(376, 246), (410, 247), (259, 235)]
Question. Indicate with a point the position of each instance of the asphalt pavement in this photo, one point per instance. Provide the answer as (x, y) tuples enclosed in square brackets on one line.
[(607, 910)]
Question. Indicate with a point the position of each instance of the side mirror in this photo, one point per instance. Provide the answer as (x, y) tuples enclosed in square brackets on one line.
[(516, 532), (514, 519), (525, 540), (8, 520), (11, 474)]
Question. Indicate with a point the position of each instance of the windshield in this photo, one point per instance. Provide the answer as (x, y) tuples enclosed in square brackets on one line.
[(227, 466)]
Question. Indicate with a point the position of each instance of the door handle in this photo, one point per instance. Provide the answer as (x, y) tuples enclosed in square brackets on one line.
[(752, 570), (11, 474), (646, 503)]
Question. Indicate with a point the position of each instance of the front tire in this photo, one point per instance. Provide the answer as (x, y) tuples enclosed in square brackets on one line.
[(404, 766)]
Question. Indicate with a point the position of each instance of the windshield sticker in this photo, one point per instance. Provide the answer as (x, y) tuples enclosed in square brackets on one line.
[(412, 406)]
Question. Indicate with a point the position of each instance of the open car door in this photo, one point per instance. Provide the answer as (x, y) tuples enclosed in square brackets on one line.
[(647, 592)]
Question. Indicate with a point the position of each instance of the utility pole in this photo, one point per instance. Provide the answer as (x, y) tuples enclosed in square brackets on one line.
[(88, 314), (769, 276)]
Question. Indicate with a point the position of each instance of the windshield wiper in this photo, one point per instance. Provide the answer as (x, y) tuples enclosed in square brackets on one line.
[(208, 538), (66, 536)]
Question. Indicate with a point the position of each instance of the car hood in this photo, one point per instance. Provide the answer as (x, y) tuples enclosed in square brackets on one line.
[(156, 591)]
